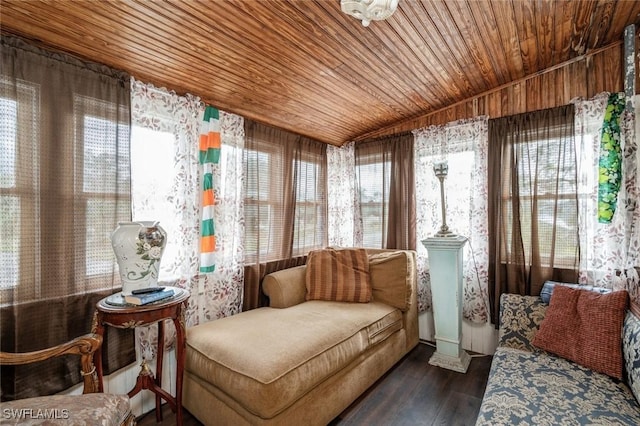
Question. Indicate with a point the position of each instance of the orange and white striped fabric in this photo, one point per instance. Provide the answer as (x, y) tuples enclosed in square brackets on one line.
[(209, 155)]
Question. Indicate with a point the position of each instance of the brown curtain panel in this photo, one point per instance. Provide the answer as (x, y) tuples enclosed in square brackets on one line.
[(64, 185), (285, 203), (389, 215), (533, 206)]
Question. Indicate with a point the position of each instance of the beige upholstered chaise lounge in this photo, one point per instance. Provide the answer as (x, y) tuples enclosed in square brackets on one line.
[(301, 362)]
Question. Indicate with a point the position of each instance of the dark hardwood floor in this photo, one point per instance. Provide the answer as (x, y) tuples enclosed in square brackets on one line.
[(411, 393)]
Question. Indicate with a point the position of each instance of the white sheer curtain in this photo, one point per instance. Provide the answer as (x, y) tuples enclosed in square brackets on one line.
[(463, 144), (344, 228), (165, 174), (165, 187), (608, 252)]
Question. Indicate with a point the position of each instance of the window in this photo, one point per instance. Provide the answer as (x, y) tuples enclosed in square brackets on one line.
[(76, 196), (152, 188), (458, 185), (100, 190), (385, 215), (310, 227), (263, 204), (101, 182), (17, 186), (373, 182), (547, 200), (10, 196), (64, 185), (285, 195), (533, 202)]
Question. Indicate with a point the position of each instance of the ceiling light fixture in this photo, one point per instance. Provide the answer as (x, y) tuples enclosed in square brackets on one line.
[(369, 10)]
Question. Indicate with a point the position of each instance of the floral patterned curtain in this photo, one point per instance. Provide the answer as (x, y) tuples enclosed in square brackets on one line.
[(463, 144), (213, 295), (608, 251), (221, 291), (345, 229)]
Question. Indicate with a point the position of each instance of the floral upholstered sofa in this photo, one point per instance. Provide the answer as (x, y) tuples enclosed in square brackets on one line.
[(530, 386)]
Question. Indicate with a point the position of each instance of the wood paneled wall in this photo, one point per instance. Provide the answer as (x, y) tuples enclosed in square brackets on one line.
[(600, 71)]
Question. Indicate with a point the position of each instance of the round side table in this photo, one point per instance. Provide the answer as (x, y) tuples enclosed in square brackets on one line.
[(114, 312)]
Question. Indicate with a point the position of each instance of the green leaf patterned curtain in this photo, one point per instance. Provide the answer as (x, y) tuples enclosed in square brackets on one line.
[(610, 163)]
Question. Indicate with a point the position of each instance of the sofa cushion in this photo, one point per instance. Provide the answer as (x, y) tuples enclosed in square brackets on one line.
[(631, 352), (585, 327), (391, 278), (527, 388), (284, 353), (338, 275)]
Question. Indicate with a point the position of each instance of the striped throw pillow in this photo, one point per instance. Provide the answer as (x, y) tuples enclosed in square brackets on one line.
[(338, 275)]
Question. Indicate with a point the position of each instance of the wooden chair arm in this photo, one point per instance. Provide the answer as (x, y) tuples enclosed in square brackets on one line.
[(84, 346)]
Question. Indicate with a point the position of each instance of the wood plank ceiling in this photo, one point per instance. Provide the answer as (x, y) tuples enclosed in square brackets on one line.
[(307, 67)]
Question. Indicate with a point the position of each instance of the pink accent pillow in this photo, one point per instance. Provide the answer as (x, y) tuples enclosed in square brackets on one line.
[(338, 275), (586, 328)]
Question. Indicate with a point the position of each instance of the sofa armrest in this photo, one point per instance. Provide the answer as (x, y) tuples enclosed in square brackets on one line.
[(285, 287), (520, 318)]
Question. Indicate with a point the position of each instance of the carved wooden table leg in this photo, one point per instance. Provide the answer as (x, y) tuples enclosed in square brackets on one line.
[(159, 357), (181, 343)]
